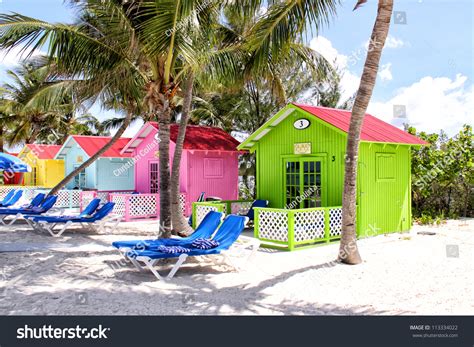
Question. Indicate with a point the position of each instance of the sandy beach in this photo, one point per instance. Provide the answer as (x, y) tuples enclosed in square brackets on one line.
[(80, 273)]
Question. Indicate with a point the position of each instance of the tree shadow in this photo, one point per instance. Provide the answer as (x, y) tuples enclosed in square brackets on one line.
[(57, 283)]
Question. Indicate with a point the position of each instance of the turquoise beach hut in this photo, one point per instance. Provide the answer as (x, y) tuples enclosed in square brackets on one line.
[(113, 171)]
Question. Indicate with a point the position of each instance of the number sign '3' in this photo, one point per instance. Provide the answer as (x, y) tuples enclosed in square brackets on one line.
[(301, 124)]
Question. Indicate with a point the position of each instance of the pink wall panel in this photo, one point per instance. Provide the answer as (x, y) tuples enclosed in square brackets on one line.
[(215, 173)]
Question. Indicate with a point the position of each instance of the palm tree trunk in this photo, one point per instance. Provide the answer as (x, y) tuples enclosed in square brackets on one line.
[(348, 251), (164, 161), (33, 136), (1, 139), (93, 158), (180, 224)]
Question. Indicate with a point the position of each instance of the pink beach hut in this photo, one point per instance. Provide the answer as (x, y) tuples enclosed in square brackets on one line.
[(209, 163)]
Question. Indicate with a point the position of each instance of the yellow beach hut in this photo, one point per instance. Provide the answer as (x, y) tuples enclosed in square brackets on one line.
[(45, 171)]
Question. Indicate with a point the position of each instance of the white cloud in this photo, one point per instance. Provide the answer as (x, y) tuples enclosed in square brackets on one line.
[(390, 42), (385, 72), (432, 104), (393, 42), (349, 80), (132, 130), (10, 59)]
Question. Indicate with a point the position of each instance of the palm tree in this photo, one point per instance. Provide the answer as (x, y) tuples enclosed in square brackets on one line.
[(28, 117), (139, 50), (133, 49), (348, 251), (235, 30)]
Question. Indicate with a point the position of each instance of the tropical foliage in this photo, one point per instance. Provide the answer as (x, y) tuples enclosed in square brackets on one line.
[(443, 176), (29, 112)]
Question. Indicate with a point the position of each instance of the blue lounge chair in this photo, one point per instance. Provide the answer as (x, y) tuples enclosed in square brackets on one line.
[(36, 201), (7, 198), (257, 203), (206, 229), (88, 211), (226, 236), (94, 222), (45, 206), (14, 198), (200, 199)]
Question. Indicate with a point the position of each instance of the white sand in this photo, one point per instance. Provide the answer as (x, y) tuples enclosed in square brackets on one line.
[(401, 274)]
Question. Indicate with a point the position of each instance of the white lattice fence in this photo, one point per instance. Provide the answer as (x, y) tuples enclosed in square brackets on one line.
[(309, 225), (142, 205), (201, 210), (273, 225), (75, 198), (240, 207), (335, 221), (63, 199), (28, 191), (119, 200), (66, 198), (182, 202), (85, 197), (4, 191)]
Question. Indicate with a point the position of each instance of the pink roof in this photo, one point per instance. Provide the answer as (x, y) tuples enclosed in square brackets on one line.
[(92, 144), (373, 129), (203, 138), (44, 151)]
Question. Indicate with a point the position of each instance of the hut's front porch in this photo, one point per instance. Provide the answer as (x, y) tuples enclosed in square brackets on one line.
[(280, 228)]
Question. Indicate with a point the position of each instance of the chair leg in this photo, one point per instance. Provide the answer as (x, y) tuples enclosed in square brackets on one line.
[(148, 263), (30, 223), (181, 259), (124, 252), (60, 231), (18, 215)]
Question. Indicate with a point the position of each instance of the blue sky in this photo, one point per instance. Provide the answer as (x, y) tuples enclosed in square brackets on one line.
[(427, 64)]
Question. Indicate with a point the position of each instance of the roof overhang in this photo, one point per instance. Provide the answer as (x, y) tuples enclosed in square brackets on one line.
[(142, 134), (279, 117), (68, 144)]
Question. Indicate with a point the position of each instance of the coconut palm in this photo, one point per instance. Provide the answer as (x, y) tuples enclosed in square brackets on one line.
[(140, 48), (27, 117), (134, 49), (348, 251), (241, 22)]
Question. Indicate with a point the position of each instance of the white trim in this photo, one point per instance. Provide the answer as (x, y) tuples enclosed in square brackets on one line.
[(282, 117), (262, 134)]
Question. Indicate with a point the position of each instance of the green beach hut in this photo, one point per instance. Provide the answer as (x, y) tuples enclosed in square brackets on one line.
[(300, 154)]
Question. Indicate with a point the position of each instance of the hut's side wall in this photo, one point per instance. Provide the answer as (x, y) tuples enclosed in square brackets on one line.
[(215, 173), (115, 174), (384, 188), (145, 154), (76, 156), (51, 171)]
